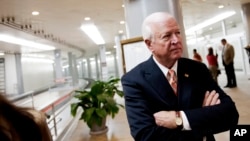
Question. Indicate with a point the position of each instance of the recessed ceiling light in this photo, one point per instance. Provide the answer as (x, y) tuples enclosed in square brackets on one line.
[(87, 18), (92, 31), (221, 6), (115, 46), (122, 22), (120, 31), (123, 5), (35, 13), (108, 52)]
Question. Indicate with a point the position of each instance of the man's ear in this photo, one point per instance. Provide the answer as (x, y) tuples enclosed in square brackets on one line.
[(148, 43)]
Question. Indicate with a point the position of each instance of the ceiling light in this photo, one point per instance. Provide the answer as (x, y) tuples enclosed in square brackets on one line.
[(221, 6), (66, 66), (123, 5), (122, 22), (108, 52), (1, 53), (93, 33), (87, 18), (120, 31), (37, 60), (210, 22), (23, 42), (115, 46), (35, 13)]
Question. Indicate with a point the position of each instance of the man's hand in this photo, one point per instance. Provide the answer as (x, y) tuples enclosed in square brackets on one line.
[(166, 119), (211, 99)]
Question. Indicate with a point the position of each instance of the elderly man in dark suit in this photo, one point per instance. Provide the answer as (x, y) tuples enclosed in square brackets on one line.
[(228, 63), (170, 98)]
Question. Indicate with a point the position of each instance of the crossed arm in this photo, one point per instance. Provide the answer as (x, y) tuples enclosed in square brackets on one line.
[(167, 118)]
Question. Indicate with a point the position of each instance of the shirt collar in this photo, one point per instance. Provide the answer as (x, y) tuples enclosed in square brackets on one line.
[(165, 69)]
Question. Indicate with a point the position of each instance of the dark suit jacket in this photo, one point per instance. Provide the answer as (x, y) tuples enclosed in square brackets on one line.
[(147, 91)]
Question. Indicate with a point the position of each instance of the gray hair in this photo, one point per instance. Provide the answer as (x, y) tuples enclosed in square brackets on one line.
[(147, 32)]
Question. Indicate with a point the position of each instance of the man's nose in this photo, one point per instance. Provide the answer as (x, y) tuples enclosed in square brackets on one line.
[(174, 39)]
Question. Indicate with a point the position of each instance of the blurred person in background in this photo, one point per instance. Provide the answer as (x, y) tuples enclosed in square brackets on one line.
[(22, 124), (228, 63), (213, 64), (196, 56)]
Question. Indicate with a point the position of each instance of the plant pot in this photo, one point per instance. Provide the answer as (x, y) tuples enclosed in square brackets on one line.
[(97, 130)]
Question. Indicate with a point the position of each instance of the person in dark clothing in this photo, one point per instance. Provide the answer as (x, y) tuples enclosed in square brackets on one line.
[(170, 98), (228, 63)]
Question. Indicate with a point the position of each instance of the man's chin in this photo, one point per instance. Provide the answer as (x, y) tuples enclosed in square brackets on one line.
[(178, 55)]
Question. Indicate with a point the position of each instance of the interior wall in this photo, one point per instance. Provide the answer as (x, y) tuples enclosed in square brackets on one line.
[(10, 74), (37, 75)]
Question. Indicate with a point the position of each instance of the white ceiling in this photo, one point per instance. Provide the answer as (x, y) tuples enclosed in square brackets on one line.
[(63, 18)]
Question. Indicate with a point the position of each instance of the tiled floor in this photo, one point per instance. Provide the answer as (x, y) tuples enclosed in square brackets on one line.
[(119, 130)]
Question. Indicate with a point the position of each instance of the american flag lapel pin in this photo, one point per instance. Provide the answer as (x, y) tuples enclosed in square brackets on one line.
[(186, 75)]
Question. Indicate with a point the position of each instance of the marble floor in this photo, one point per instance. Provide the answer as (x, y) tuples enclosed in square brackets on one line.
[(119, 129)]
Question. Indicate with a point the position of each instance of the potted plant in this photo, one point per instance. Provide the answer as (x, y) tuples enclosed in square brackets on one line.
[(97, 103)]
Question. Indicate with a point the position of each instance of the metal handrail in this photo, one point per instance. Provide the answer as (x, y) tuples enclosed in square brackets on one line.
[(52, 106), (55, 114)]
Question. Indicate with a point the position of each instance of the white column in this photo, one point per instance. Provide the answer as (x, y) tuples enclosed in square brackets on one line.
[(246, 21), (97, 67), (118, 39), (89, 68), (19, 71), (224, 30), (58, 65), (103, 62)]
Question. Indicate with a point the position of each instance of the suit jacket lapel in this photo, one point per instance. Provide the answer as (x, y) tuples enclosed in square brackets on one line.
[(159, 82), (184, 84)]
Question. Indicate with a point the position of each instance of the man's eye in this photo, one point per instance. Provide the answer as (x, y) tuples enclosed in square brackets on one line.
[(166, 36)]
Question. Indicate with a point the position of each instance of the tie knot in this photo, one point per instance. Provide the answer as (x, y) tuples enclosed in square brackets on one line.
[(171, 72), (171, 76)]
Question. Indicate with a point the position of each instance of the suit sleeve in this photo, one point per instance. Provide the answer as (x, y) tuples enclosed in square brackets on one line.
[(140, 116), (213, 119)]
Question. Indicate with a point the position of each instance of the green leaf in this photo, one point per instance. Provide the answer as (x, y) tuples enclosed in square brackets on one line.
[(74, 107), (88, 113), (97, 88), (120, 93), (102, 98), (101, 112)]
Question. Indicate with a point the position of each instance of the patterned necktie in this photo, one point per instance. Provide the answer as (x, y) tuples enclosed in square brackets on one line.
[(171, 76)]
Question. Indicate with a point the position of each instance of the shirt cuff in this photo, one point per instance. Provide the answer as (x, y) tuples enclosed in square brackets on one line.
[(186, 125)]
